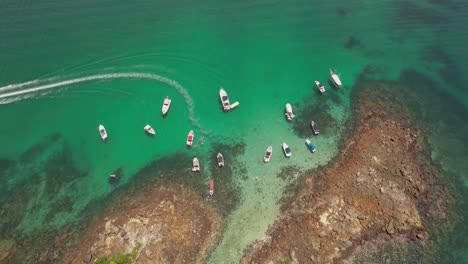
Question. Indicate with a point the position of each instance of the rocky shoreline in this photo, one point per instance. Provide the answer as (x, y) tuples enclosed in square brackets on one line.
[(374, 202), (166, 225)]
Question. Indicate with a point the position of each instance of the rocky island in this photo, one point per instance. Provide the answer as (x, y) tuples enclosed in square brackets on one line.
[(167, 225), (376, 202)]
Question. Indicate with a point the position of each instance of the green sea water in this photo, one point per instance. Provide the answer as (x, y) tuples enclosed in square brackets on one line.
[(68, 66)]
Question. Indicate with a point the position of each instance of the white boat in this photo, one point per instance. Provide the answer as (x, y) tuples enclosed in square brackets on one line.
[(286, 150), (314, 127), (268, 153), (190, 137), (224, 99), (289, 112), (320, 86), (335, 79), (166, 105), (310, 145), (220, 159), (195, 165), (149, 130), (103, 132)]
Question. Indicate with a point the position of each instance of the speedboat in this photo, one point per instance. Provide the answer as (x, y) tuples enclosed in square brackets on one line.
[(335, 79), (103, 132), (224, 99), (190, 137), (211, 187), (289, 112), (149, 130), (320, 86), (286, 150), (166, 105), (310, 145), (314, 127), (268, 153), (195, 165), (220, 159)]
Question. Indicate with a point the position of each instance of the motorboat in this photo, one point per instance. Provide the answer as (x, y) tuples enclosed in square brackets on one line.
[(310, 145), (268, 153), (335, 79), (224, 99), (314, 127), (211, 187), (103, 132), (286, 150), (289, 112), (320, 86), (190, 137), (220, 159), (150, 130), (195, 165), (166, 105)]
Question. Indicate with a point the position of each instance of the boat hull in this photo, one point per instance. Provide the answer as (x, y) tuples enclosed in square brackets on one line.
[(335, 79), (149, 130), (287, 150), (102, 132), (190, 138), (195, 165), (289, 112), (224, 100), (166, 105), (220, 160), (211, 187), (268, 153)]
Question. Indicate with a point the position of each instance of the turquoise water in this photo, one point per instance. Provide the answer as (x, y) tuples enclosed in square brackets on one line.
[(69, 66)]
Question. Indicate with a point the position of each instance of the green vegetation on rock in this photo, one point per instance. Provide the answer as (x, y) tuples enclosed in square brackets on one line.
[(284, 261), (119, 258)]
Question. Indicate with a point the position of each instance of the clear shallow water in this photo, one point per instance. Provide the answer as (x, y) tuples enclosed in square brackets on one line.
[(76, 65)]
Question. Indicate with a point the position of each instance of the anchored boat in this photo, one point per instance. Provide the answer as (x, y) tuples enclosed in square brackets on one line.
[(149, 130), (320, 86), (102, 132), (211, 187), (314, 128), (335, 79), (190, 137), (289, 112), (166, 105), (195, 165), (268, 153), (225, 100), (220, 159), (286, 150), (310, 145)]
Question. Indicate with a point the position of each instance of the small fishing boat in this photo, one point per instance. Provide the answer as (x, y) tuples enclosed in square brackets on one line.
[(289, 112), (320, 86), (211, 187), (335, 79), (286, 150), (149, 130), (224, 99), (268, 153), (190, 137), (310, 145), (195, 165), (220, 159), (103, 132), (166, 105), (314, 127)]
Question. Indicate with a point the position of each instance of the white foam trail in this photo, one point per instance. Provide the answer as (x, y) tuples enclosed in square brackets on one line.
[(17, 85), (126, 75)]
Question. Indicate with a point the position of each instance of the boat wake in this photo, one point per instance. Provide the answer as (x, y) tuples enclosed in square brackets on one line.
[(19, 91)]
